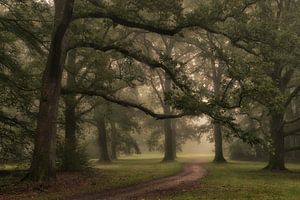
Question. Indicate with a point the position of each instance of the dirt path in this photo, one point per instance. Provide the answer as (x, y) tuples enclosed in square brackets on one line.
[(190, 173)]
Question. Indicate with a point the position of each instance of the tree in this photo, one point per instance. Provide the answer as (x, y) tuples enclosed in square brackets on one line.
[(274, 66), (43, 160), (102, 137), (70, 154), (170, 21), (21, 53)]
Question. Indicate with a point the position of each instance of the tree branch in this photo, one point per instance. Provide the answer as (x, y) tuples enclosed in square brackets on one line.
[(291, 132), (189, 22), (121, 102), (137, 56), (292, 121), (292, 95), (297, 148)]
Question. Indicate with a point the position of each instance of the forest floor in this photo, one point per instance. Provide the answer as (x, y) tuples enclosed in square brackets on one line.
[(146, 178), (98, 178)]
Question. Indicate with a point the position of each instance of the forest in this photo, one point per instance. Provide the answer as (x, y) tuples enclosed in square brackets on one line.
[(144, 99)]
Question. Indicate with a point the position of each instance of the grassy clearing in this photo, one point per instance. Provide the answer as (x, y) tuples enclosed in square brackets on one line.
[(199, 157), (124, 172), (234, 180), (131, 171), (243, 180)]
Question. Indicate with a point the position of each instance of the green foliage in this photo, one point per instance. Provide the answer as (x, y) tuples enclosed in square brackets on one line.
[(72, 160), (22, 34), (184, 129), (147, 11), (243, 151), (257, 42)]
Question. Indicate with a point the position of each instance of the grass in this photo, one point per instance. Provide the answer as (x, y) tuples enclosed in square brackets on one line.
[(200, 157), (234, 180), (131, 171), (243, 180), (124, 172)]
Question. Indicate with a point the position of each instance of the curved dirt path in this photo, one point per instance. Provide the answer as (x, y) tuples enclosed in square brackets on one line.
[(190, 173)]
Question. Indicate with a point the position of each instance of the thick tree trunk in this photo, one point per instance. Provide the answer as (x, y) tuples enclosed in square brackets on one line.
[(136, 147), (170, 137), (217, 71), (114, 138), (70, 146), (219, 158), (276, 160), (170, 141), (102, 140), (43, 161)]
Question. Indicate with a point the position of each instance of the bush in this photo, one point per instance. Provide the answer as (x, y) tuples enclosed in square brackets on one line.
[(70, 159)]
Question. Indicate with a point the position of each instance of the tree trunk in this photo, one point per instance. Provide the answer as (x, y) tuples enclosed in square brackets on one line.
[(170, 142), (276, 160), (219, 158), (102, 140), (70, 146), (217, 71), (114, 138), (170, 138), (43, 161)]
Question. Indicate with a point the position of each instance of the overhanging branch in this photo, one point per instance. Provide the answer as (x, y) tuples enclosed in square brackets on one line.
[(121, 102), (137, 56), (292, 149)]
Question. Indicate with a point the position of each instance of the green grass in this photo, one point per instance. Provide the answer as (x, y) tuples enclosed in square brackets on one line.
[(127, 171), (199, 157), (13, 166), (244, 180), (130, 171), (234, 180)]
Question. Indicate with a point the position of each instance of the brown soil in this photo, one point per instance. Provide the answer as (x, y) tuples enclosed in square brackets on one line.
[(191, 172)]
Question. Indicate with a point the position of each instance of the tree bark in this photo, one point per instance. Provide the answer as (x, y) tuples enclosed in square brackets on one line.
[(70, 146), (114, 138), (170, 137), (43, 161), (170, 144), (276, 160), (216, 78), (219, 157), (102, 140)]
